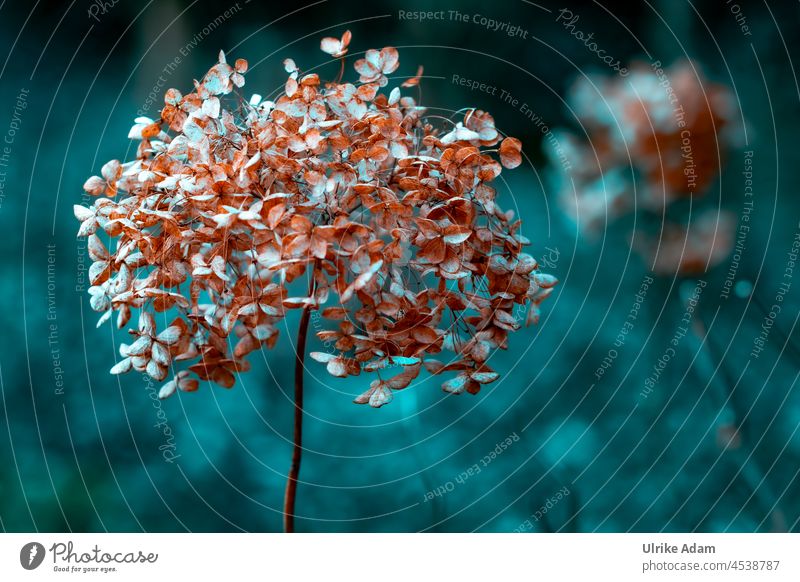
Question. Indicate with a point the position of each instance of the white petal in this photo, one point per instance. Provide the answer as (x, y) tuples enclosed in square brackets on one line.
[(140, 346), (160, 354), (170, 335), (155, 371), (146, 323), (81, 212), (97, 250), (122, 366), (167, 390)]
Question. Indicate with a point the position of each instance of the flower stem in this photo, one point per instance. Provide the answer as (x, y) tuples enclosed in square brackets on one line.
[(341, 72), (294, 470)]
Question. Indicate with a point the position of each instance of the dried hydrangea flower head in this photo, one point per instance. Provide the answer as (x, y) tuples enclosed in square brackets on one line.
[(393, 221)]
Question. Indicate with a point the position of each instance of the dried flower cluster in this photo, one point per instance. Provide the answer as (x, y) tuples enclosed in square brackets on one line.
[(653, 139), (391, 220)]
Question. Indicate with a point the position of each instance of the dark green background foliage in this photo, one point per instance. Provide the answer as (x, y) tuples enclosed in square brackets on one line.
[(83, 450)]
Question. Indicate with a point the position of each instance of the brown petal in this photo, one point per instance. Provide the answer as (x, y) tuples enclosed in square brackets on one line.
[(510, 155), (433, 252)]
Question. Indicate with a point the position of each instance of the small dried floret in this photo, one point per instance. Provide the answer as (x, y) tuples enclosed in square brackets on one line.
[(336, 47)]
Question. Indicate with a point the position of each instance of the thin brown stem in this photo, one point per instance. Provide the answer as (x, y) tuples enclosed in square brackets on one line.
[(294, 470), (299, 368), (341, 71)]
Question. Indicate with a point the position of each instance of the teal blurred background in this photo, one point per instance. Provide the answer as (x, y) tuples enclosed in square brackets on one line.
[(714, 447)]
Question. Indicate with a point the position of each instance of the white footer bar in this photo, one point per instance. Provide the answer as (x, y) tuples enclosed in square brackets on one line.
[(400, 557)]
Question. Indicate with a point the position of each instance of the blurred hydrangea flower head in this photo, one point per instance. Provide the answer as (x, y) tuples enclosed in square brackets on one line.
[(652, 139), (392, 221)]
